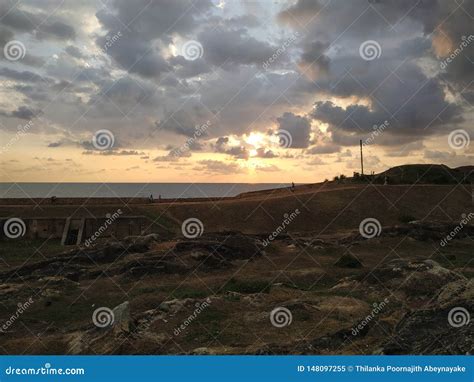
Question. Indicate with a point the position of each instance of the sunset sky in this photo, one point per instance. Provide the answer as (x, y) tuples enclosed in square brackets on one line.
[(232, 91)]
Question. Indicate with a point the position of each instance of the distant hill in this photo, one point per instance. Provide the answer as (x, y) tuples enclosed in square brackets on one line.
[(426, 174)]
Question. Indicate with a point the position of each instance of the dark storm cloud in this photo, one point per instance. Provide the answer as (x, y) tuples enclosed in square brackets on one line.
[(74, 51), (22, 112), (152, 19), (186, 121), (23, 76), (313, 62), (135, 55), (40, 24), (298, 127), (302, 12), (264, 153), (224, 47), (189, 68), (138, 24)]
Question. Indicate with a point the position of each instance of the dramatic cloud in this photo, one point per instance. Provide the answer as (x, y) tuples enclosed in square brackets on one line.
[(260, 70), (298, 127)]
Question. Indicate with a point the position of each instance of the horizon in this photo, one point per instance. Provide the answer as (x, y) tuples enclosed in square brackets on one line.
[(222, 92)]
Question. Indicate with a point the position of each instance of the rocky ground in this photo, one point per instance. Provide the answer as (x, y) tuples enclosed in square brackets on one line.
[(227, 293)]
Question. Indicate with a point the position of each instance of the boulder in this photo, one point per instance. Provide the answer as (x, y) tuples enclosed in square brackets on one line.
[(348, 261), (121, 318)]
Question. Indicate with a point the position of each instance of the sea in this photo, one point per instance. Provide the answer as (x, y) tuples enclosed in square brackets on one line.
[(108, 190)]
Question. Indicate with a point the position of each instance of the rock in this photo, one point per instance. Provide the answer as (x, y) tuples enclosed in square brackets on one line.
[(348, 261), (456, 291), (226, 246), (429, 331), (76, 343), (415, 278), (59, 281), (9, 289), (143, 240), (164, 306), (346, 284), (121, 318), (202, 351)]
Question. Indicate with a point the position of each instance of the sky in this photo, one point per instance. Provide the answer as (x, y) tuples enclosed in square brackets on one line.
[(232, 91)]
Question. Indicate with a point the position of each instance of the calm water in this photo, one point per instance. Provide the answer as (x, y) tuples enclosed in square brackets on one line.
[(166, 190)]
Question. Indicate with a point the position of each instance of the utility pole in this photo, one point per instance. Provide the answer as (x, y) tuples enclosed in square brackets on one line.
[(361, 159)]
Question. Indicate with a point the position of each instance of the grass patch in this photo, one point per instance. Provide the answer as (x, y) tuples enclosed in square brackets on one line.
[(406, 218), (15, 252)]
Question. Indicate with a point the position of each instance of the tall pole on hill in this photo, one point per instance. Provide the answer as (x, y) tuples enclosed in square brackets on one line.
[(361, 159)]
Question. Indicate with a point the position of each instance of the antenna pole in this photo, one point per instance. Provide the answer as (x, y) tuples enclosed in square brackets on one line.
[(361, 159)]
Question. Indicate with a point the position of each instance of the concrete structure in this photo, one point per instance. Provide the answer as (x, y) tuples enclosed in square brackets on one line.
[(76, 230)]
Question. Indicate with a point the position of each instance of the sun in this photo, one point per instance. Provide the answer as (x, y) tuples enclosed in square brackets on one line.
[(255, 139)]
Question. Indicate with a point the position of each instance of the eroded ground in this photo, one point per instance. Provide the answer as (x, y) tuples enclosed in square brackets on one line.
[(335, 294)]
